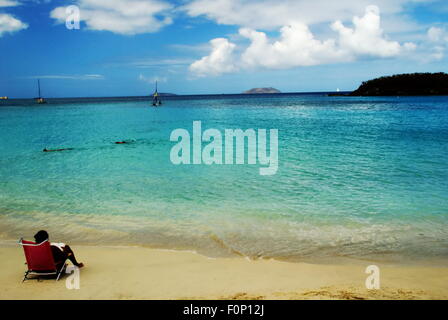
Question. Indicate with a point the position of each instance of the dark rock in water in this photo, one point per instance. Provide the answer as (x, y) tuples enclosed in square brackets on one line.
[(415, 84), (262, 90)]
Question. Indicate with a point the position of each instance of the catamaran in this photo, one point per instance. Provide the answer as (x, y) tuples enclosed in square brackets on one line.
[(39, 99), (155, 98)]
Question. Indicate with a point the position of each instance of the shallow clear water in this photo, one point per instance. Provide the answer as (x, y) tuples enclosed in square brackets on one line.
[(358, 177)]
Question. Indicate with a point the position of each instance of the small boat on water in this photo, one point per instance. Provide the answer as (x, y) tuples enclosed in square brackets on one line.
[(156, 101), (39, 99)]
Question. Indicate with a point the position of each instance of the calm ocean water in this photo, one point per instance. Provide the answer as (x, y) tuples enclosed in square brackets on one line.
[(357, 177)]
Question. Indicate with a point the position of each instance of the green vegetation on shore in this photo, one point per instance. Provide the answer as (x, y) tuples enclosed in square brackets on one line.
[(415, 84)]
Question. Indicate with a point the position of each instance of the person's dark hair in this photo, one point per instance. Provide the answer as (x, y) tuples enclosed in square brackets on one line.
[(41, 236)]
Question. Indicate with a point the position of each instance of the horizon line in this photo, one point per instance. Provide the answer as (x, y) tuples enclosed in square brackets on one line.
[(168, 94)]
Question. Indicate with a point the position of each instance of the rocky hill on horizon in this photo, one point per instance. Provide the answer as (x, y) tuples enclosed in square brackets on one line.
[(262, 90)]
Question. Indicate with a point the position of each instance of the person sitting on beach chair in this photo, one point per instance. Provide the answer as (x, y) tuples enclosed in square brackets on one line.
[(60, 251)]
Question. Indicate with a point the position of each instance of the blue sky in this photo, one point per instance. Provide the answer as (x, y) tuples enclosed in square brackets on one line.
[(215, 46)]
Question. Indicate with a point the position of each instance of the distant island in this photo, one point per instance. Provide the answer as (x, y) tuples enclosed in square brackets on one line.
[(415, 84), (262, 90)]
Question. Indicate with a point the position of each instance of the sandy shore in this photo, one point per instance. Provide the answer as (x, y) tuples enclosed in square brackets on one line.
[(142, 273)]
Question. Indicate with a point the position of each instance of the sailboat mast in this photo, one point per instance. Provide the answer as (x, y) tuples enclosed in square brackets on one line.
[(38, 85)]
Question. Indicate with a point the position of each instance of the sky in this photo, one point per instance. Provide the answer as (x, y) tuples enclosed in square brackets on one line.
[(85, 48)]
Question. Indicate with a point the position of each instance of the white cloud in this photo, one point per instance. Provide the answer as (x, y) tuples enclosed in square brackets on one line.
[(438, 43), (152, 62), (10, 24), (8, 3), (436, 34), (438, 53), (220, 60), (196, 48), (366, 38), (127, 17), (272, 14), (297, 46), (70, 77), (144, 78)]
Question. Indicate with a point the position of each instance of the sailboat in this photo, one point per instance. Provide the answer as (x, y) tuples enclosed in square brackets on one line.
[(155, 98), (39, 99)]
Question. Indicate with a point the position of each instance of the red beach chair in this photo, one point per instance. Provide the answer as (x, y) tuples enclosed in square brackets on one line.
[(40, 261)]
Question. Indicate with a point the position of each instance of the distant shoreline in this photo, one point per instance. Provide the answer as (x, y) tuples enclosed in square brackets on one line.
[(405, 85), (345, 94), (177, 96)]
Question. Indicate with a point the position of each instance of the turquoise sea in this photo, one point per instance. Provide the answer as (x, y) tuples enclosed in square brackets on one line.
[(358, 177)]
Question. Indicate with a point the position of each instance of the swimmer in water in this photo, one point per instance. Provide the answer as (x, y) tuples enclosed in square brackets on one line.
[(55, 150)]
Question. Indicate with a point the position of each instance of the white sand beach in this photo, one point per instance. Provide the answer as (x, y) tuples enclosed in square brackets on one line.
[(142, 273)]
